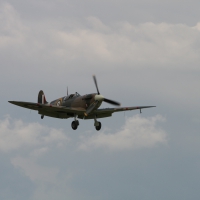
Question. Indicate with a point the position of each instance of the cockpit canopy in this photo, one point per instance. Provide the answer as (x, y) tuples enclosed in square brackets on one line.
[(71, 96)]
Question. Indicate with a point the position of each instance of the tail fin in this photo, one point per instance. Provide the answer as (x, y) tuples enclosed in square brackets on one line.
[(41, 97)]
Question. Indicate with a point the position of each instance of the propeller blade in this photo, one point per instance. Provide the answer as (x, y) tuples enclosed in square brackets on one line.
[(95, 81), (91, 108), (112, 102)]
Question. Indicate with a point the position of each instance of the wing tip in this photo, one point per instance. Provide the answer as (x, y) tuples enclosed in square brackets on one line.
[(150, 106)]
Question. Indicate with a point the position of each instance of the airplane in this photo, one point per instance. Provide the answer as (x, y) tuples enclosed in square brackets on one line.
[(77, 106)]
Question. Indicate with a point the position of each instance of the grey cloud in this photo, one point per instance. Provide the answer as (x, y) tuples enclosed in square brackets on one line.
[(143, 53), (34, 171), (112, 10), (54, 169), (162, 45), (137, 133), (15, 135)]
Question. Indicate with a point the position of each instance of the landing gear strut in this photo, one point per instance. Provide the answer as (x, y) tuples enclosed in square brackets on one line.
[(97, 124), (75, 123)]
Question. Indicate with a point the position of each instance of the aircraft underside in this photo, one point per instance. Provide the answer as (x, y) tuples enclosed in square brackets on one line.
[(75, 123)]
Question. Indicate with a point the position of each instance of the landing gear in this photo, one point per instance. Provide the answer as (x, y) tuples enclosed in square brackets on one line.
[(42, 116), (97, 124), (75, 123), (98, 127)]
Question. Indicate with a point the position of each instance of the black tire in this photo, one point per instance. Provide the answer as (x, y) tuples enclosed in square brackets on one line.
[(42, 116), (74, 125), (98, 127)]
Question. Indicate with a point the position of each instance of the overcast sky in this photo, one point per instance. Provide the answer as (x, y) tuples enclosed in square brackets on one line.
[(143, 53)]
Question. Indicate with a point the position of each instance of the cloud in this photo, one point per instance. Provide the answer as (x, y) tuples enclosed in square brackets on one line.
[(12, 29), (15, 134), (35, 171), (54, 174), (159, 45), (138, 132)]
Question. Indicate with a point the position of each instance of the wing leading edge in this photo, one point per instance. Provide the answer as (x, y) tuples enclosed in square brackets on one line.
[(112, 110), (48, 107)]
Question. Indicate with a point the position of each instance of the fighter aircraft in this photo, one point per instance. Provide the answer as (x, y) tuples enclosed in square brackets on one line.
[(77, 106)]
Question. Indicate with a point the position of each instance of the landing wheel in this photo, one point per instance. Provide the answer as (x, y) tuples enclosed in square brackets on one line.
[(75, 124), (42, 116), (98, 127)]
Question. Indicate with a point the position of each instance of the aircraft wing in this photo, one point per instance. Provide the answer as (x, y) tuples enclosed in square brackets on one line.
[(48, 107), (65, 112), (112, 110)]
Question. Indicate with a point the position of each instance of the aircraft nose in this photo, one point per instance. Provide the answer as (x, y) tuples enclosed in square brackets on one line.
[(99, 97)]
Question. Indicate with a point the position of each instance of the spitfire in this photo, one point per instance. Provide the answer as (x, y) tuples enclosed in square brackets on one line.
[(76, 106)]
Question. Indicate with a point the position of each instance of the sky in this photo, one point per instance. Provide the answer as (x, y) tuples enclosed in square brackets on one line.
[(143, 53)]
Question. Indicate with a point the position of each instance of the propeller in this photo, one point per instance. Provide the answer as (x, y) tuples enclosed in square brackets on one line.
[(103, 98), (98, 98)]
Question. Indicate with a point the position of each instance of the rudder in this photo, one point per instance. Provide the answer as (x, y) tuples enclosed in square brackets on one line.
[(41, 97)]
